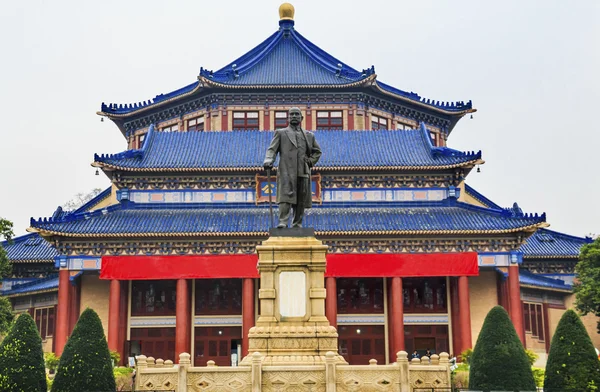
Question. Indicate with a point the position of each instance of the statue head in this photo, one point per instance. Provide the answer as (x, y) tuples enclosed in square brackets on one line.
[(295, 116)]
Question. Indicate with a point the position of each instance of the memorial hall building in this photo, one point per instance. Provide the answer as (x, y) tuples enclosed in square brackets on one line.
[(167, 254)]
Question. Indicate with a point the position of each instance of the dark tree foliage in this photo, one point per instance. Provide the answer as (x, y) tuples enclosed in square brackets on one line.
[(22, 359), (85, 364), (499, 362), (6, 315), (587, 289), (6, 232), (572, 364)]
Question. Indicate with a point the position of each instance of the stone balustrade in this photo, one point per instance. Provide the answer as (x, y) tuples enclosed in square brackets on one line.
[(330, 376)]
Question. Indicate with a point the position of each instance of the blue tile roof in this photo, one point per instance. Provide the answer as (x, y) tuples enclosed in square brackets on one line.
[(527, 278), (95, 200), (445, 217), (481, 198), (44, 284), (29, 248), (341, 149), (286, 59), (546, 243)]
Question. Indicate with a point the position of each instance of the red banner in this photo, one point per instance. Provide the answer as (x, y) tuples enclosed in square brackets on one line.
[(244, 266), (178, 267), (402, 264)]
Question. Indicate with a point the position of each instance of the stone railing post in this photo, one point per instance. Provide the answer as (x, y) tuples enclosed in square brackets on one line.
[(141, 365), (256, 372), (402, 360), (445, 361), (330, 377), (184, 364), (435, 359)]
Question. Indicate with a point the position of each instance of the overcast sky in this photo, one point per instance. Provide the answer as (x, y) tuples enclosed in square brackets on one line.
[(530, 67)]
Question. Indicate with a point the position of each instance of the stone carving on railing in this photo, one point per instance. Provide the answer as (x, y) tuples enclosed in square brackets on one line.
[(332, 376)]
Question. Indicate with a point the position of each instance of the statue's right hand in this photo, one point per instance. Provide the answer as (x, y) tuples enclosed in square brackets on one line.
[(268, 165)]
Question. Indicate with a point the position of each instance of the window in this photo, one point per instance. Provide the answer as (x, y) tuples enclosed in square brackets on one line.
[(153, 298), (141, 139), (44, 320), (196, 124), (402, 126), (281, 120), (360, 343), (171, 128), (329, 120), (378, 122), (218, 296), (424, 295), (432, 135), (360, 295), (534, 320), (245, 120)]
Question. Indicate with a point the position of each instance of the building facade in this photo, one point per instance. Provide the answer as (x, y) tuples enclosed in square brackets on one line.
[(166, 255)]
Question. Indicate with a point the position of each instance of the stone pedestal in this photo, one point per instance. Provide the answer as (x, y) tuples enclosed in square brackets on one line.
[(292, 327)]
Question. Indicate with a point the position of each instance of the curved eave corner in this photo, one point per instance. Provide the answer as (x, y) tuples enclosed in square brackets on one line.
[(141, 107), (421, 103)]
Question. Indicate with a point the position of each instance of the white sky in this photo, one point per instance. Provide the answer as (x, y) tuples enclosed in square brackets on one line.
[(530, 67)]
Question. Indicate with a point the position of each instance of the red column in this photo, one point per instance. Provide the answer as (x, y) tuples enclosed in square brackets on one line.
[(331, 301), (546, 315), (308, 120), (464, 313), (182, 318), (390, 320), (123, 321), (114, 302), (457, 346), (514, 295), (351, 119), (398, 315), (247, 312), (62, 310), (74, 299), (266, 120), (224, 120)]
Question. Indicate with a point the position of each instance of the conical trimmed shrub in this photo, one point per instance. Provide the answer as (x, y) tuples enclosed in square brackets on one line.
[(85, 364), (22, 358), (572, 364), (499, 362)]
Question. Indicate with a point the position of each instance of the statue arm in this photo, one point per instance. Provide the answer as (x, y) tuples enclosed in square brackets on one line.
[(272, 150), (315, 154)]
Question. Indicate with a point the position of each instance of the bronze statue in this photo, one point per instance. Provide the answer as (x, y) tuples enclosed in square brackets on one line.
[(298, 153)]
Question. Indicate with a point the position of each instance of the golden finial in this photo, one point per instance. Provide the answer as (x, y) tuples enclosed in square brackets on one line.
[(286, 11)]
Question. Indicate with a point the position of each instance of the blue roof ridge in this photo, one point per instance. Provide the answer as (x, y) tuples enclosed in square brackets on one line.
[(552, 281), (506, 212), (119, 108), (445, 105), (133, 153), (470, 190), (445, 151), (130, 205), (95, 200), (33, 282), (16, 240), (585, 239)]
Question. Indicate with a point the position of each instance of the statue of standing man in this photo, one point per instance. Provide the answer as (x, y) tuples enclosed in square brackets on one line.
[(298, 153)]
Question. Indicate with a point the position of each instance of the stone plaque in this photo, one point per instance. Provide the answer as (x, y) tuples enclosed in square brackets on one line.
[(292, 294)]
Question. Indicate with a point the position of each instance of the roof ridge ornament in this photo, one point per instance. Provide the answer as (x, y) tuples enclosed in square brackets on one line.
[(286, 16)]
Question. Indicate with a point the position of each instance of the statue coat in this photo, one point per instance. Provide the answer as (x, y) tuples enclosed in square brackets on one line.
[(292, 163)]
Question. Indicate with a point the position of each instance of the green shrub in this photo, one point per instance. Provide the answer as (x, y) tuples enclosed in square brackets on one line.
[(123, 378), (538, 376), (572, 362), (466, 355), (85, 364), (51, 361), (531, 356), (22, 358), (499, 361), (116, 357), (460, 379)]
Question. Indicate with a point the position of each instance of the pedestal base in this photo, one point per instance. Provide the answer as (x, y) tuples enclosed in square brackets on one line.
[(292, 327)]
